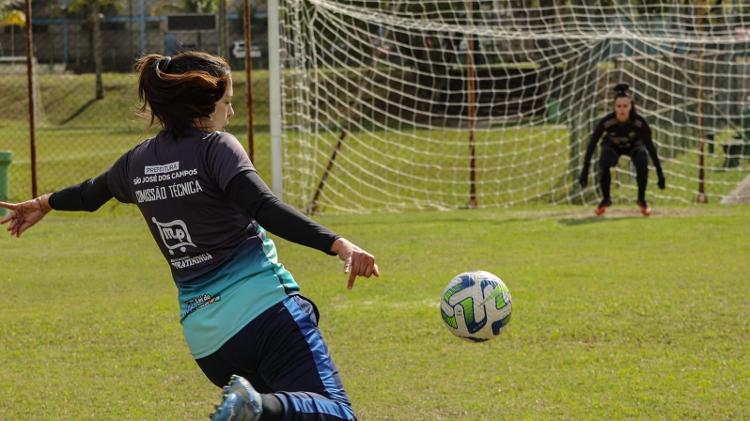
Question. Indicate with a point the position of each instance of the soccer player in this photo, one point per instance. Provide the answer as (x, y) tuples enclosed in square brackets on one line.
[(206, 207), (625, 133)]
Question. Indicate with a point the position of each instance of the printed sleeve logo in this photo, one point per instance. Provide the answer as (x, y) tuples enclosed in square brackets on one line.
[(174, 235)]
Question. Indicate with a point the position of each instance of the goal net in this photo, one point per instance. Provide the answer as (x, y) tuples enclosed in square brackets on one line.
[(396, 105)]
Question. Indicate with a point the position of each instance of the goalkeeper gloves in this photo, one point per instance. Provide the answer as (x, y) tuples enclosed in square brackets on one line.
[(662, 181)]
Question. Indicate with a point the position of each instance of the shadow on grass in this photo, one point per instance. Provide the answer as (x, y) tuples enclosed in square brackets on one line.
[(78, 112)]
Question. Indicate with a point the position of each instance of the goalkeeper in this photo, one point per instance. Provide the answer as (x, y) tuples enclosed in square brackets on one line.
[(625, 133), (241, 312)]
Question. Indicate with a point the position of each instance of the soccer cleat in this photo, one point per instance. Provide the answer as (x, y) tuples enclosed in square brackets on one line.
[(603, 205), (240, 402), (645, 210)]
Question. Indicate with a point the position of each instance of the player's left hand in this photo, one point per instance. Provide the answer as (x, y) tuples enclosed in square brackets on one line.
[(26, 214), (357, 262), (662, 181)]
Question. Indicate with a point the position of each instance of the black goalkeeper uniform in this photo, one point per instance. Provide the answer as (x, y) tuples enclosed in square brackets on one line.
[(632, 138)]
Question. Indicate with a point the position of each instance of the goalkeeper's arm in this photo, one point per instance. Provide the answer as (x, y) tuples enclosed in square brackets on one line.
[(598, 131), (651, 148)]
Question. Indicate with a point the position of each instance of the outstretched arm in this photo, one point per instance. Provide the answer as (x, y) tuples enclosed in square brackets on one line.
[(598, 131), (248, 191), (87, 196)]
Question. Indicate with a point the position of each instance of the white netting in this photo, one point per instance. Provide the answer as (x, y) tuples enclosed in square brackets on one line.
[(392, 105)]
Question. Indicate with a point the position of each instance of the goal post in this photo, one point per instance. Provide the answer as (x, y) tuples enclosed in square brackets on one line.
[(446, 104)]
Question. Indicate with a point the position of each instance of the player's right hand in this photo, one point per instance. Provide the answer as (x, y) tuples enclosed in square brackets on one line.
[(357, 262), (26, 214), (662, 182)]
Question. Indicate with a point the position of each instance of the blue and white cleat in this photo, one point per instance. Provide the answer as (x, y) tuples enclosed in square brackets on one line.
[(240, 402)]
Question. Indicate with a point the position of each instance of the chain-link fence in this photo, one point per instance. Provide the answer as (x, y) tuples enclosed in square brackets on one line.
[(85, 97)]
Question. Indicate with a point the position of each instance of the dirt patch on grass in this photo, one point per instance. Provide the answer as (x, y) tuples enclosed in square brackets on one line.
[(740, 194)]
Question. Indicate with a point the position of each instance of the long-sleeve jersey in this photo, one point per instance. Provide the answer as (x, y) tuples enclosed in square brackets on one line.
[(622, 137), (207, 210)]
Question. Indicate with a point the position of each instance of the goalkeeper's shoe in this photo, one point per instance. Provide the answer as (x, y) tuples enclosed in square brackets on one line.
[(240, 402), (603, 205), (645, 210)]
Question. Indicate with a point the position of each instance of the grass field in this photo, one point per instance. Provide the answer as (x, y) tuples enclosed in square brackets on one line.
[(616, 318)]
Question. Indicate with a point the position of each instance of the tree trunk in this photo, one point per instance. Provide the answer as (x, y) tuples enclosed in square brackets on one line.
[(97, 47), (224, 31)]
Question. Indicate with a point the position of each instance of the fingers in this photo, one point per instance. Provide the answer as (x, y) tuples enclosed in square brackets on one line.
[(14, 221), (18, 222), (7, 205), (26, 225), (354, 264), (360, 263), (15, 227), (7, 218)]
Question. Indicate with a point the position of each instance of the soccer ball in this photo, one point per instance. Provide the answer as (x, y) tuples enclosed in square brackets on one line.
[(475, 306)]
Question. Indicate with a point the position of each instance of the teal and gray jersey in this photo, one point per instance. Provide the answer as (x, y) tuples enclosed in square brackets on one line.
[(179, 185), (222, 261), (215, 309)]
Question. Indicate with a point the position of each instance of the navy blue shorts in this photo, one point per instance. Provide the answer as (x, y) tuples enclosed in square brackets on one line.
[(283, 352)]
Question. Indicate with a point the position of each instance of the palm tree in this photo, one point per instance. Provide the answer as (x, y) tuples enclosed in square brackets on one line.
[(93, 10)]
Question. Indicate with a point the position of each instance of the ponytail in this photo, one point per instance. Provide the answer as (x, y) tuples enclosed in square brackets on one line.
[(181, 90)]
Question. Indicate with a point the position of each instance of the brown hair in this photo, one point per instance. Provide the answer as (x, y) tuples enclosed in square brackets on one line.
[(180, 90)]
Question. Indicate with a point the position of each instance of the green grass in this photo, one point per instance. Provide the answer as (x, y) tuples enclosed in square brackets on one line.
[(391, 170), (617, 318)]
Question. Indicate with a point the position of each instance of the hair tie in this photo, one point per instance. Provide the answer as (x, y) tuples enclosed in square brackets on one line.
[(163, 63), (622, 88)]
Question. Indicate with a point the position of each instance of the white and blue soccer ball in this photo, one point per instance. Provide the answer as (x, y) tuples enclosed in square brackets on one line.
[(476, 306)]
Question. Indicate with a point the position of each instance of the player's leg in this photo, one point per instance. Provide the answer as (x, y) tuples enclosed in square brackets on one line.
[(283, 351), (607, 159), (299, 367), (241, 400), (639, 157)]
